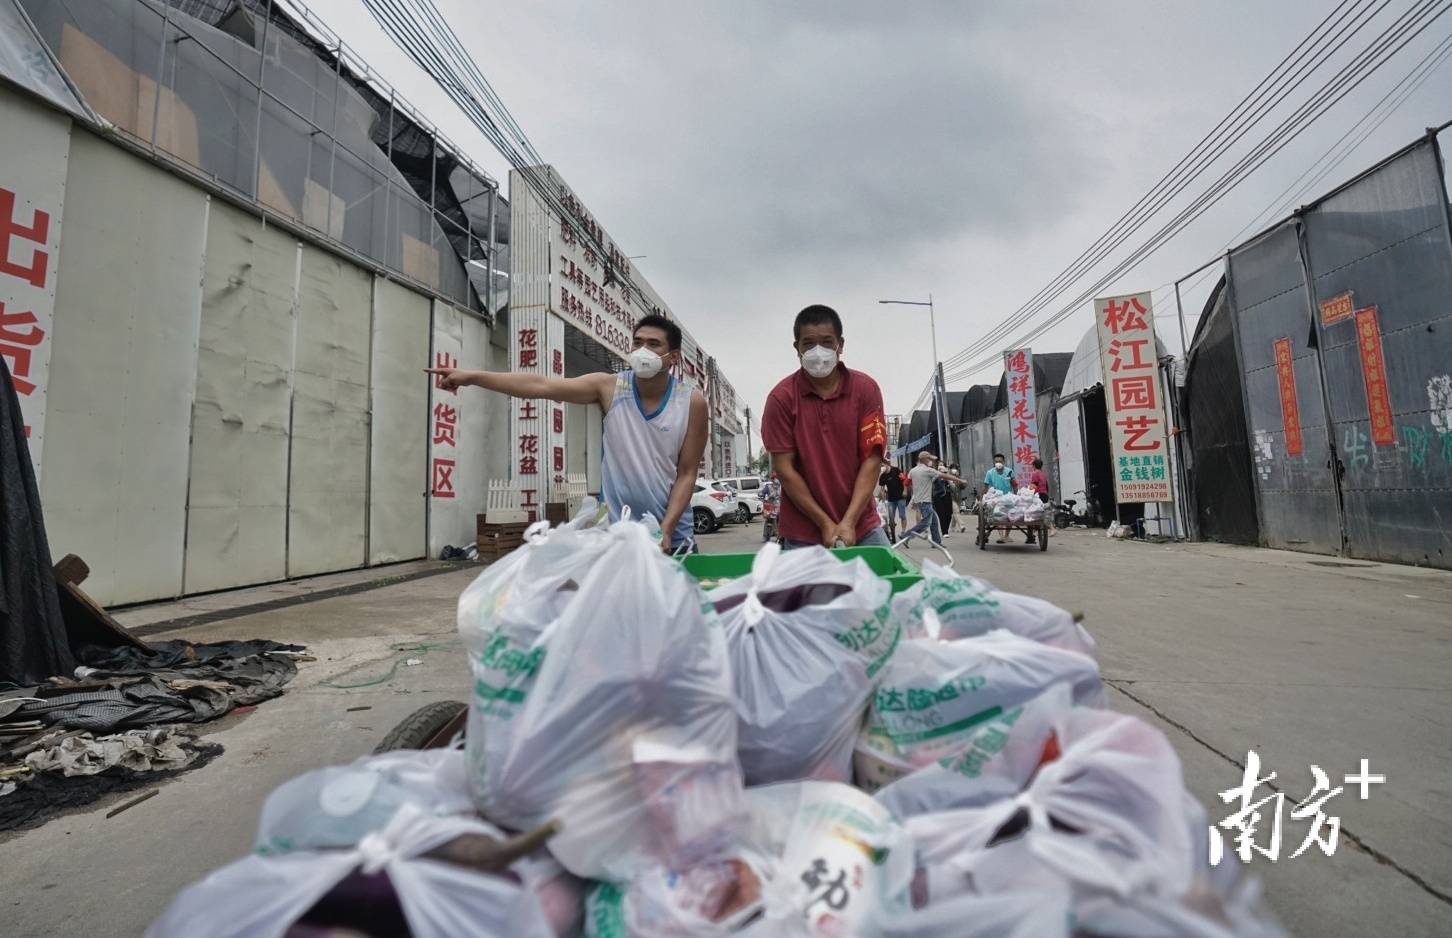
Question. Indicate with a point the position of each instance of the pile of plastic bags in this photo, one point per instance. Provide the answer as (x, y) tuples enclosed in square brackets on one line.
[(1013, 507), (796, 753)]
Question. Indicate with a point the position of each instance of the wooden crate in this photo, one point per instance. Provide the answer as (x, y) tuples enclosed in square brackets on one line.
[(557, 512), (494, 546), (484, 526)]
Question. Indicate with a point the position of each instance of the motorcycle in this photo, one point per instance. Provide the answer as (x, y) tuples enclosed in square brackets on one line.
[(1065, 516)]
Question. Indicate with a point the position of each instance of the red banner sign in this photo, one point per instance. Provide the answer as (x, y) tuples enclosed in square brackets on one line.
[(1290, 407), (1023, 421), (1336, 309), (1373, 375)]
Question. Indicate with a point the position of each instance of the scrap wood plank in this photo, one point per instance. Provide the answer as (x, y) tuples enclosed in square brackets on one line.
[(87, 622)]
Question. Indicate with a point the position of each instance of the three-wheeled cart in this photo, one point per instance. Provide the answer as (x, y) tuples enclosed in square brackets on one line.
[(986, 524)]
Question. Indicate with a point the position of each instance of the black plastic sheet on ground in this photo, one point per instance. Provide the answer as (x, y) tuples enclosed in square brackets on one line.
[(132, 695), (48, 793)]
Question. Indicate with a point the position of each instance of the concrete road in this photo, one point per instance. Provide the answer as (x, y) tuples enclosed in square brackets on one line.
[(1307, 660)]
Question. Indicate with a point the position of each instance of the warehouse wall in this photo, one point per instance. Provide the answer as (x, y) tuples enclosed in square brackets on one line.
[(123, 371), (237, 504), (230, 405)]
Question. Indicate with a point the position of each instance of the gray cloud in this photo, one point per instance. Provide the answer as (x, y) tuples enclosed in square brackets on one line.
[(766, 155)]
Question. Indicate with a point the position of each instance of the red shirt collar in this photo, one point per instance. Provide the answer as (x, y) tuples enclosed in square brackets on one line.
[(804, 384)]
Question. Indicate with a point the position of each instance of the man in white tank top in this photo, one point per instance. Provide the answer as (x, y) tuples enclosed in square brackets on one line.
[(655, 426)]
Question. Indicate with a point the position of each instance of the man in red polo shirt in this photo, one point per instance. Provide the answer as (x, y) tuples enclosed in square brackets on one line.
[(824, 428)]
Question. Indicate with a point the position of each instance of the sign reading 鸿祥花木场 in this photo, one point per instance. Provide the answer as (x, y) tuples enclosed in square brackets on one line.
[(1023, 421), (1133, 398)]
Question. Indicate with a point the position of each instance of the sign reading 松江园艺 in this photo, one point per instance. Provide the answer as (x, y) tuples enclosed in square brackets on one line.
[(1139, 442)]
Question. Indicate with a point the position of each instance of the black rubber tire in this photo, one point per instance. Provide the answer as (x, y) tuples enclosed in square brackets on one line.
[(420, 726), (701, 521), (743, 514), (1044, 537)]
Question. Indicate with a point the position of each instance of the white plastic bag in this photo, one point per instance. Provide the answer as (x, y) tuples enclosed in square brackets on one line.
[(822, 861), (1221, 902), (602, 699), (262, 896), (1107, 814), (1118, 869), (945, 702), (1038, 913), (948, 605), (806, 633), (339, 805), (995, 761)]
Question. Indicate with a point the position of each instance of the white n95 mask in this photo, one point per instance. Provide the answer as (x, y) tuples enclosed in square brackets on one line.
[(819, 361), (645, 363)]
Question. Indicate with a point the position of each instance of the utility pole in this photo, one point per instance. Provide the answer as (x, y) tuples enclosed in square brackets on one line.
[(939, 386), (750, 454)]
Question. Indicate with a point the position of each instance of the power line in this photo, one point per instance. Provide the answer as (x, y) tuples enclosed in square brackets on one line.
[(1380, 50), (422, 33), (1289, 74)]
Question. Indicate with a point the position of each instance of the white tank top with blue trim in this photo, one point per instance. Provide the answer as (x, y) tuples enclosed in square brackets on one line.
[(640, 452)]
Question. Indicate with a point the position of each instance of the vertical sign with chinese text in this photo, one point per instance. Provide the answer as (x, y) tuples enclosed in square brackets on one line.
[(1290, 404), (1373, 377), (444, 418), (1139, 443), (528, 417), (536, 346), (33, 154), (555, 435), (1023, 421)]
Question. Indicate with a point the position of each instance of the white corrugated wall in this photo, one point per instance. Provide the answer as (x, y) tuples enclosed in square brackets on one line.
[(229, 405)]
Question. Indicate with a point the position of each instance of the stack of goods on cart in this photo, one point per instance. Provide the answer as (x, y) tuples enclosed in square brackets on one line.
[(794, 753), (1031, 505), (999, 506), (1023, 506)]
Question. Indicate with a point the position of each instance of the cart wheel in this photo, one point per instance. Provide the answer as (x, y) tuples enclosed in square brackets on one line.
[(1044, 537), (419, 728)]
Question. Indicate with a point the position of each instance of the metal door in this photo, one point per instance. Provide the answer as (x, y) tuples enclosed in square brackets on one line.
[(1383, 240), (1293, 457)]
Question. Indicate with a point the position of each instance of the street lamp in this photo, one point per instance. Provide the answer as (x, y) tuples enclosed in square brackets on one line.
[(937, 369)]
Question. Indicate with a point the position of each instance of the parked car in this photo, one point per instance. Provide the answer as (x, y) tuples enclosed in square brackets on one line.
[(744, 485), (748, 506), (747, 490), (712, 505)]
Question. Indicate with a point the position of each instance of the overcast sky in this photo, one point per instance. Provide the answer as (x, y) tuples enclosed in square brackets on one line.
[(768, 155)]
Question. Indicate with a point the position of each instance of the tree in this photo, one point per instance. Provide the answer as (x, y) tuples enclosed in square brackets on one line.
[(763, 463)]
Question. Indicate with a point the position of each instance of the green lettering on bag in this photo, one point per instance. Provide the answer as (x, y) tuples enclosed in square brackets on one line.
[(607, 912), (934, 733), (498, 656), (489, 692)]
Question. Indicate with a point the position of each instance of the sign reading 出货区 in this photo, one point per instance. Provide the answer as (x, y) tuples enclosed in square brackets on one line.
[(1139, 443), (1023, 421), (31, 192)]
